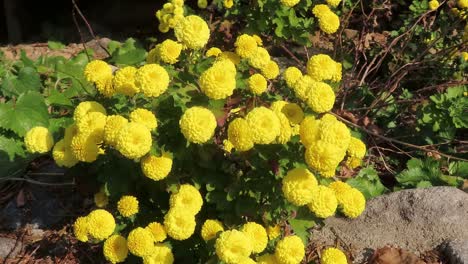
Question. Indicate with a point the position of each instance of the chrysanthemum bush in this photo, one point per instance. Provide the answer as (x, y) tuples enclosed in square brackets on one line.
[(294, 20), (207, 153)]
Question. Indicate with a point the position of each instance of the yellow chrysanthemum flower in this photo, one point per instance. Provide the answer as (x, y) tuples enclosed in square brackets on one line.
[(153, 55), (192, 31), (352, 203), (257, 83), (211, 228), (218, 82), (128, 205), (152, 80), (291, 75), (323, 156), (63, 155), (144, 117), (356, 148), (290, 250), (333, 256), (156, 168), (464, 56), (232, 56), (86, 107), (113, 125), (293, 112), (80, 229), (115, 249), (158, 231), (270, 70), (85, 148), (239, 134), (160, 254), (267, 259), (169, 51), (265, 125), (298, 185), (70, 132), (339, 188), (213, 52), (333, 3), (329, 22), (277, 106), (106, 87), (259, 58), (97, 71), (433, 4), (101, 199), (228, 3), (321, 67), (273, 231), (179, 223), (323, 202), (353, 162), (258, 40), (140, 242), (319, 10), (257, 235), (198, 124), (309, 131), (302, 86), (232, 246), (101, 224), (38, 140), (320, 97), (227, 146), (124, 81), (463, 4), (285, 129), (188, 199), (134, 140), (245, 45), (335, 132), (92, 124), (289, 3)]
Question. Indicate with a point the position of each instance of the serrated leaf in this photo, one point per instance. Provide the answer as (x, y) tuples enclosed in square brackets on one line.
[(29, 111), (368, 182), (301, 224), (459, 168), (58, 98), (27, 80), (11, 147), (130, 53)]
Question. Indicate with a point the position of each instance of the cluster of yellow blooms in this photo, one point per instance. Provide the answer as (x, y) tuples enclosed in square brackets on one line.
[(300, 188), (179, 224), (236, 246), (170, 14), (329, 22)]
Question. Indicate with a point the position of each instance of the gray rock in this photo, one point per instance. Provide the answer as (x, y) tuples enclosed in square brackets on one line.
[(456, 251), (9, 248), (416, 220)]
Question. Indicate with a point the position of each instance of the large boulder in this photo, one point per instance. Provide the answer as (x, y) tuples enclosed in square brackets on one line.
[(417, 220)]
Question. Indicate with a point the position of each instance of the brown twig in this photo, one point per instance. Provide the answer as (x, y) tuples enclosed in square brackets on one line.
[(398, 141), (301, 64)]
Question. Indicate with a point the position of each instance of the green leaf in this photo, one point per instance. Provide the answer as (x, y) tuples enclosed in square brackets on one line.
[(11, 147), (459, 168), (29, 111), (58, 98), (130, 53), (301, 224), (368, 182), (55, 45), (27, 80)]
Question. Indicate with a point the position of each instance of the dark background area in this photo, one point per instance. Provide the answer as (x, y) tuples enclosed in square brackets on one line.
[(27, 21)]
